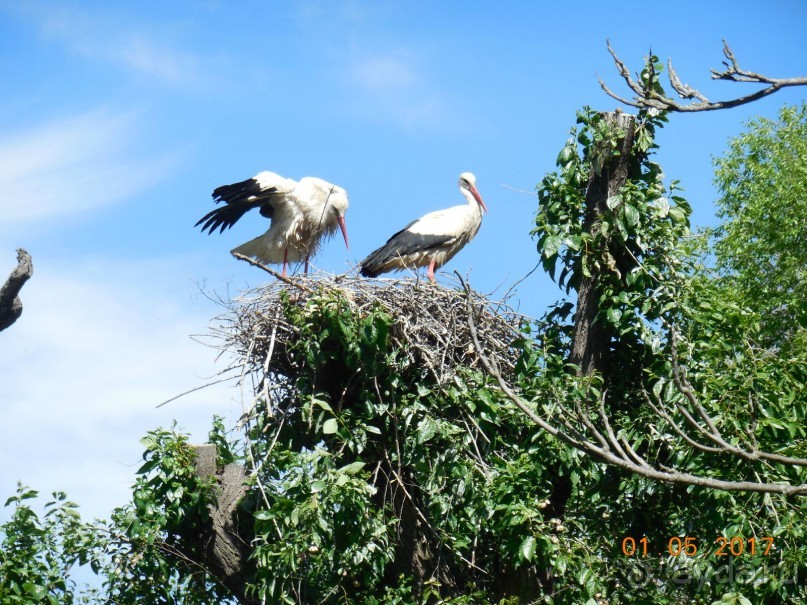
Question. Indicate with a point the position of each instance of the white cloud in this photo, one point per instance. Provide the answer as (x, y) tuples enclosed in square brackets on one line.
[(395, 87), (114, 37), (73, 165), (97, 347), (386, 75)]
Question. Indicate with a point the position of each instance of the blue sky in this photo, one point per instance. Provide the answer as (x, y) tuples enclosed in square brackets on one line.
[(117, 120)]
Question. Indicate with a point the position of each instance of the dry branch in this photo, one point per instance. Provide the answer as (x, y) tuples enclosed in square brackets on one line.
[(646, 97), (10, 303), (573, 426)]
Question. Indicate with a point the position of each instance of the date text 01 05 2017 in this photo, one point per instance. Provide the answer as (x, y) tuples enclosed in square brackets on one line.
[(688, 546)]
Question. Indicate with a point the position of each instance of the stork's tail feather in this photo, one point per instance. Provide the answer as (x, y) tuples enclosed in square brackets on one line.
[(258, 249), (370, 271), (264, 250), (377, 262)]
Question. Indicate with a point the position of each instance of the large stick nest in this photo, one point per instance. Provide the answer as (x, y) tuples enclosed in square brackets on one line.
[(431, 325)]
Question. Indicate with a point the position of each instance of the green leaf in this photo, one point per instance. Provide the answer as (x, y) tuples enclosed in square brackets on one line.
[(552, 245), (565, 154), (527, 548), (426, 430), (631, 215), (574, 243), (549, 265), (352, 468), (318, 486), (678, 215), (662, 205), (330, 426), (614, 315), (323, 404), (34, 590), (29, 494)]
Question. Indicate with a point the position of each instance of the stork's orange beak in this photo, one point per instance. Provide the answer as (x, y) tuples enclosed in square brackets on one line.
[(478, 198), (343, 227)]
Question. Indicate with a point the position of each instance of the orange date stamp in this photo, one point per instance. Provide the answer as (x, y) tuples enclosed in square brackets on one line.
[(690, 546)]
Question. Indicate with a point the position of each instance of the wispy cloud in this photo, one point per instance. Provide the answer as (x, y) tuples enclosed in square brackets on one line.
[(69, 166), (85, 365), (395, 87), (390, 75), (112, 37)]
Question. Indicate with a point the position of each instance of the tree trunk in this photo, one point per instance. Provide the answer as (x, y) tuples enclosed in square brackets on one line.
[(226, 553), (591, 338), (10, 303)]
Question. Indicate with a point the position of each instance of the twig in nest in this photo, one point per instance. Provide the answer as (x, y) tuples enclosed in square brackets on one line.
[(271, 272), (429, 324)]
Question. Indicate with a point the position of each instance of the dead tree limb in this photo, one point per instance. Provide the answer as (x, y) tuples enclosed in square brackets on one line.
[(647, 97), (573, 427), (10, 303)]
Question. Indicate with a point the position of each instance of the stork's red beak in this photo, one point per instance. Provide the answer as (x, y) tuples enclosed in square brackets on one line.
[(343, 227), (478, 198)]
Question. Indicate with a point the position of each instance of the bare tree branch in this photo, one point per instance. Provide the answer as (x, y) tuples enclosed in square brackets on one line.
[(661, 413), (271, 272), (10, 303), (646, 97), (685, 388), (616, 450)]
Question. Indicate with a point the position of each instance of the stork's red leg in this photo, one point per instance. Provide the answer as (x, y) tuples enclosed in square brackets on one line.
[(431, 270), (285, 260)]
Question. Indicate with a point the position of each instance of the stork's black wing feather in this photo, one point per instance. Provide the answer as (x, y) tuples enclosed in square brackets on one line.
[(244, 191), (240, 198), (224, 217), (405, 242), (401, 244)]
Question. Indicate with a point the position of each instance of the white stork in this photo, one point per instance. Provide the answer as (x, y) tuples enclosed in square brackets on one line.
[(432, 239), (302, 212)]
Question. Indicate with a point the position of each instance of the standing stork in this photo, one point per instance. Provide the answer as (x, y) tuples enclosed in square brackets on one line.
[(302, 212), (432, 239)]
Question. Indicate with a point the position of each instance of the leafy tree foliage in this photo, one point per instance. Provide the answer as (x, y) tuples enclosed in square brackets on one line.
[(375, 480), (38, 550), (759, 247), (169, 503)]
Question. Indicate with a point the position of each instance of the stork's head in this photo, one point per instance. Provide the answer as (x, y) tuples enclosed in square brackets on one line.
[(337, 207), (468, 183)]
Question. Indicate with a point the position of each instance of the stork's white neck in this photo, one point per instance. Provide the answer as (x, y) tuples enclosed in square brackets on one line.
[(468, 196)]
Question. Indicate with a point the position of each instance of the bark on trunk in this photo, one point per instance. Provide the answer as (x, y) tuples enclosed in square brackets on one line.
[(226, 552), (591, 339), (10, 303)]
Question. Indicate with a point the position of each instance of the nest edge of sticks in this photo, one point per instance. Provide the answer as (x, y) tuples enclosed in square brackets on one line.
[(430, 322)]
